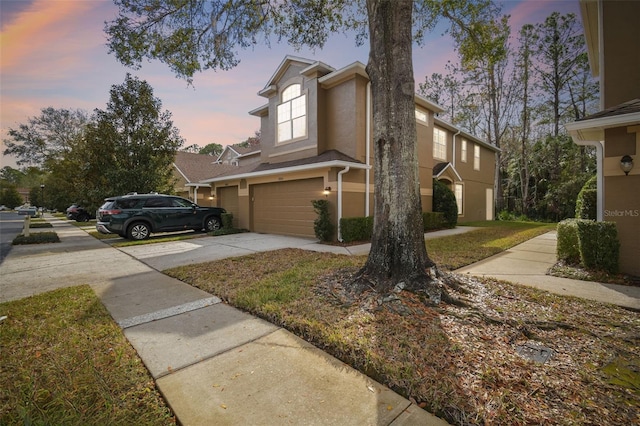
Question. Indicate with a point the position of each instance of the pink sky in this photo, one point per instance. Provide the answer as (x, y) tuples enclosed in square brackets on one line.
[(53, 53)]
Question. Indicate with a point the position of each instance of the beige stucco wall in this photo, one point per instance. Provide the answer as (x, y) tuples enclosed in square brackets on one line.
[(622, 194), (621, 72)]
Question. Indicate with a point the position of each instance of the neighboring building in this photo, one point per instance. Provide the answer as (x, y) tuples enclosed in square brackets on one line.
[(316, 142), (613, 40), (189, 169), (238, 154)]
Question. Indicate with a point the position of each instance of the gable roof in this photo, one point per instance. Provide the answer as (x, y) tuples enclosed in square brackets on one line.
[(196, 167), (331, 158), (441, 168), (312, 67)]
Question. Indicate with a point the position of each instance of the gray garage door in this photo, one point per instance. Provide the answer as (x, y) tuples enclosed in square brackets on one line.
[(285, 207)]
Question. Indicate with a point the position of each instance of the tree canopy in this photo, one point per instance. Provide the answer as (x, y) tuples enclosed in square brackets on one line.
[(46, 137)]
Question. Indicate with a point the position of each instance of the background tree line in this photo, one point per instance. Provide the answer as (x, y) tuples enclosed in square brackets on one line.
[(518, 100), (129, 146)]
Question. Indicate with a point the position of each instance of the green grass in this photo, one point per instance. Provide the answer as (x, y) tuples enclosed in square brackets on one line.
[(65, 362), (493, 237)]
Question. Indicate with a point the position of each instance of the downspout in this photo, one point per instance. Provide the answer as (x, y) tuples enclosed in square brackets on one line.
[(454, 148), (367, 152), (195, 194), (340, 173), (599, 176)]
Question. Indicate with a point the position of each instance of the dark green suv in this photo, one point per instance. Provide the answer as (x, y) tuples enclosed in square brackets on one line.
[(136, 216)]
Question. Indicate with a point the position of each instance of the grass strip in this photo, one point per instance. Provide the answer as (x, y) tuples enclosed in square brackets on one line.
[(494, 237), (65, 362)]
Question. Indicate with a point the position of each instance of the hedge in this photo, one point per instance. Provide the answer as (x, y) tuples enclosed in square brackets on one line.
[(227, 220), (356, 228), (361, 228), (586, 203), (592, 244), (568, 247), (433, 220), (599, 245)]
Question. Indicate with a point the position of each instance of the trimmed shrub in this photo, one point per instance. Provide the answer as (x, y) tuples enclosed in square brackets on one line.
[(36, 238), (591, 244), (322, 226), (433, 220), (568, 247), (444, 200), (587, 201), (227, 220), (599, 245), (356, 228)]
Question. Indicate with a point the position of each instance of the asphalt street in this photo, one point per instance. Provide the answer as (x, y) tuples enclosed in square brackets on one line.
[(10, 226)]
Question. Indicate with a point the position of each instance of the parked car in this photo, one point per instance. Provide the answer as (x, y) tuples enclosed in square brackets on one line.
[(78, 213), (136, 216)]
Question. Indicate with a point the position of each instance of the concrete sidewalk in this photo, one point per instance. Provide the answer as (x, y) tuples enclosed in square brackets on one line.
[(213, 364), (528, 263)]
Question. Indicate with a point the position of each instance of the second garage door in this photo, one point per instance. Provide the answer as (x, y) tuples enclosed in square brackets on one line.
[(285, 207)]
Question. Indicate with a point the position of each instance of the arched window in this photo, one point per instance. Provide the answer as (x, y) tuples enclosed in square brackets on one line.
[(292, 114)]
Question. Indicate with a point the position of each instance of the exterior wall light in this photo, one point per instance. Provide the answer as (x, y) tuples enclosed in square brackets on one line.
[(327, 191), (626, 164)]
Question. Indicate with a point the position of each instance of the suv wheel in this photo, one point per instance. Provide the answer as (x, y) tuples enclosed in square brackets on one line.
[(82, 217), (138, 231), (212, 223)]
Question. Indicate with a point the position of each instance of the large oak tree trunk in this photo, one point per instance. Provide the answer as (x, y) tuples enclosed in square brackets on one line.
[(398, 256)]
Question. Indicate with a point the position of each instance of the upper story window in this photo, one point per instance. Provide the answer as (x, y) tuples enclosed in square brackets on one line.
[(292, 114), (476, 157), (421, 116), (440, 144), (463, 151)]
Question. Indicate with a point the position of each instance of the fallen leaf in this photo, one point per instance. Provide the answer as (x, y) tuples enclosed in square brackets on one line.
[(223, 406)]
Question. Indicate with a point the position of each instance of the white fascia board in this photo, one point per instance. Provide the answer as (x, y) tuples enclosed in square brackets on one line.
[(593, 130), (343, 74), (293, 169), (198, 185), (249, 154), (260, 111), (181, 174), (424, 102), (449, 165)]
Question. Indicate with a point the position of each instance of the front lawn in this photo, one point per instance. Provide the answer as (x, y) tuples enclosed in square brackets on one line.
[(459, 362), (66, 362)]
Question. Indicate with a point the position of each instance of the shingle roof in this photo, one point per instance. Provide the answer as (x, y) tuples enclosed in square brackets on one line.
[(629, 107), (196, 167), (326, 156)]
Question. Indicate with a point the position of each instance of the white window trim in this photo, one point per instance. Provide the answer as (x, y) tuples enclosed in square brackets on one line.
[(463, 150), (476, 157), (422, 116), (436, 153), (291, 120), (460, 201)]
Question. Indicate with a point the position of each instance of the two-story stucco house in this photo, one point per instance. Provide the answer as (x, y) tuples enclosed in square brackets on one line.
[(613, 41), (316, 142)]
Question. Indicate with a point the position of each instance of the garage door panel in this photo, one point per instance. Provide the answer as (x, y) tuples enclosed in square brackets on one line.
[(229, 201), (285, 207)]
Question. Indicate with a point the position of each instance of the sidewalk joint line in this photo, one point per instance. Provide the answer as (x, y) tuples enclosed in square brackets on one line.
[(168, 312)]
